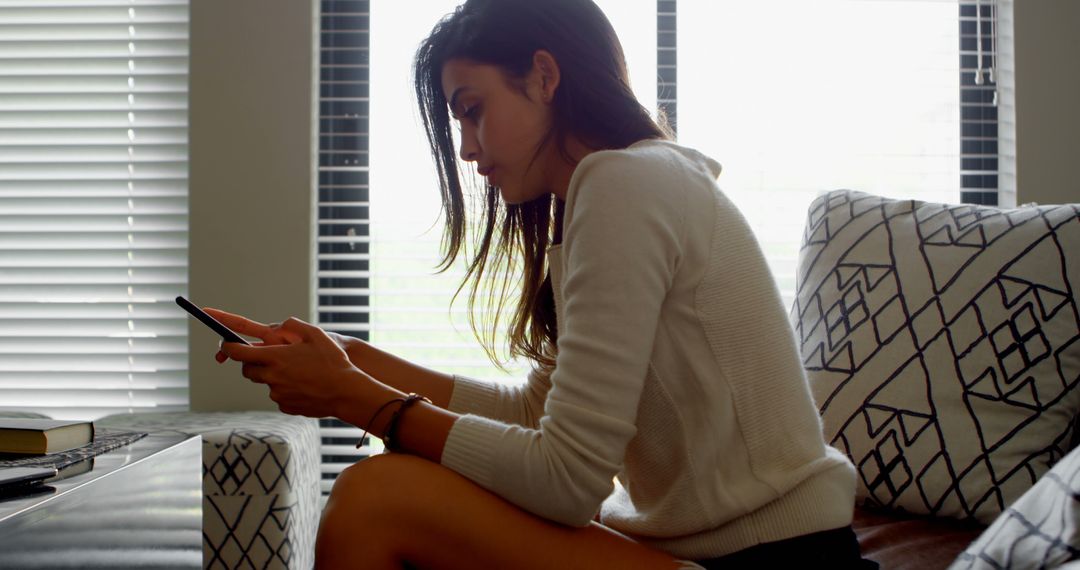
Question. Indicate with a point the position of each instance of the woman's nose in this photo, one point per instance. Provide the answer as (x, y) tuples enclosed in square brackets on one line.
[(469, 151)]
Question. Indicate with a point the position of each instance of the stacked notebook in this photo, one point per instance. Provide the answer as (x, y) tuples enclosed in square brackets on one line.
[(36, 450), (34, 436)]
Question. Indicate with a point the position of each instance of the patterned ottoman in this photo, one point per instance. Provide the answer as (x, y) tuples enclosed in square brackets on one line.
[(260, 484)]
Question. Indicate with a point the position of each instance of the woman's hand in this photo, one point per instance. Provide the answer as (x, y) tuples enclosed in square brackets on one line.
[(307, 371), (375, 364), (269, 334)]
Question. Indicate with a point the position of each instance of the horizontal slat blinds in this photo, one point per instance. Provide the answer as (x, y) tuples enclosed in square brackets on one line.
[(979, 102), (795, 98), (344, 288), (666, 68), (93, 205)]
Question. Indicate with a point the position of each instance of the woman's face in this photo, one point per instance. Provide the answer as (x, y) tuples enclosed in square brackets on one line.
[(502, 127)]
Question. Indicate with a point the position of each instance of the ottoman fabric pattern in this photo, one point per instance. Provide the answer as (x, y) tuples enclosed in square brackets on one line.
[(260, 484)]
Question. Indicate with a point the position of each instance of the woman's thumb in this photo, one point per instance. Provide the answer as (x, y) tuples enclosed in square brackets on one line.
[(300, 328)]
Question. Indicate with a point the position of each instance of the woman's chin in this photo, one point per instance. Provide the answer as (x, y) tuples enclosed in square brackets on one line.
[(518, 195), (509, 195)]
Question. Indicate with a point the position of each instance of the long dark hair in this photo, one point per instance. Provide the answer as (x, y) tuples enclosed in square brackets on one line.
[(593, 102)]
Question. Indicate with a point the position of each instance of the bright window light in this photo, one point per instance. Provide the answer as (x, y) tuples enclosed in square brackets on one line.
[(795, 98)]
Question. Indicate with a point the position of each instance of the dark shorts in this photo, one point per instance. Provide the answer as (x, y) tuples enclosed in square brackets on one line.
[(835, 549)]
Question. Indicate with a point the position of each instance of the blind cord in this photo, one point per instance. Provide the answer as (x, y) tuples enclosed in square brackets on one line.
[(993, 48), (978, 43)]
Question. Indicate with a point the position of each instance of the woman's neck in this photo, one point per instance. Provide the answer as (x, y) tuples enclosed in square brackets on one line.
[(563, 170)]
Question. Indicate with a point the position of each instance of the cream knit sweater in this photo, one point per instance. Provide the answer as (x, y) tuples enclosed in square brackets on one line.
[(677, 373)]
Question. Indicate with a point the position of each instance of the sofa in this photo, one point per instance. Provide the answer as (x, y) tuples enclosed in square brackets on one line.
[(942, 346)]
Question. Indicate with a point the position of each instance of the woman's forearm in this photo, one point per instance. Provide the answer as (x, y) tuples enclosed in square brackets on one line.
[(422, 429), (398, 372)]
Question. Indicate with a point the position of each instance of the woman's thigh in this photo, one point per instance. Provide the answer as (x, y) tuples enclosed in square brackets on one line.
[(400, 508)]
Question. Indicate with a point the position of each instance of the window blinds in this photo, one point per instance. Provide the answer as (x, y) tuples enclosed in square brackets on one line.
[(344, 289), (979, 102), (666, 57), (93, 205)]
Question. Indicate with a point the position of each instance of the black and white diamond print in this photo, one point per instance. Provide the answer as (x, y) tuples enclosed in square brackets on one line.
[(1040, 530), (943, 345), (260, 484)]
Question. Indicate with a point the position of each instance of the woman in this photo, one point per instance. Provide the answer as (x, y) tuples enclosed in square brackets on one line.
[(667, 419)]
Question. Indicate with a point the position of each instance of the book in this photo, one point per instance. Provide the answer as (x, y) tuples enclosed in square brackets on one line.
[(28, 436), (73, 469)]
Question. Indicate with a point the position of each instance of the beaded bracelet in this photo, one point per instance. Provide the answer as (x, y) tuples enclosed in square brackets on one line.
[(391, 426)]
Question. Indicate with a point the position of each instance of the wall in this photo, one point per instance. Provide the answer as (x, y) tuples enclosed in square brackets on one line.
[(253, 170), (1046, 44)]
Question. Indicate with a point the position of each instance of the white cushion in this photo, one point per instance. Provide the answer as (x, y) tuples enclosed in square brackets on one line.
[(942, 344), (261, 480), (1040, 530)]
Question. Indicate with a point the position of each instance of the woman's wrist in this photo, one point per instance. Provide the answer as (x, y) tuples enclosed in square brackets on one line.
[(350, 344), (421, 429), (361, 397)]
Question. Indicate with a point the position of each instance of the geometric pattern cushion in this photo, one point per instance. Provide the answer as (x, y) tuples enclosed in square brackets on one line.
[(261, 479), (1040, 530), (942, 343)]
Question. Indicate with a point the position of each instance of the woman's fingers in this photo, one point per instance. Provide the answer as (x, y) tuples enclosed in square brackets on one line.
[(272, 333), (260, 355), (299, 328), (242, 325), (253, 372), (311, 333)]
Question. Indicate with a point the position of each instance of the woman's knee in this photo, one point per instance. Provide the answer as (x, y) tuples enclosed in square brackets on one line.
[(376, 484), (359, 506), (377, 472)]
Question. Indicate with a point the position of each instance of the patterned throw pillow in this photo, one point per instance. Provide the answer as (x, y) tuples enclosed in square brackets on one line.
[(1039, 530), (942, 344)]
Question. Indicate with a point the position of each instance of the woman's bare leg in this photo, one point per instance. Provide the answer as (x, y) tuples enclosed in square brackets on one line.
[(394, 509)]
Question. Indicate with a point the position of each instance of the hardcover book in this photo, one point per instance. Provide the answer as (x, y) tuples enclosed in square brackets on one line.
[(41, 436)]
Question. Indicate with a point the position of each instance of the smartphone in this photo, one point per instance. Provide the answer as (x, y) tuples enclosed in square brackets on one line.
[(225, 332)]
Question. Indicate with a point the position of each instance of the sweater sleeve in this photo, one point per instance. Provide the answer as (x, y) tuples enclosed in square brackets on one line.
[(620, 250), (519, 404)]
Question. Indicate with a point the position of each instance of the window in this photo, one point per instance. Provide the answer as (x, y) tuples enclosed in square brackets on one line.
[(979, 103), (344, 279), (93, 206), (376, 275), (793, 97), (666, 58), (411, 310)]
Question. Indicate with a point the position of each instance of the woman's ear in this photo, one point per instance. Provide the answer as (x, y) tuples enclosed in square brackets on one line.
[(546, 71)]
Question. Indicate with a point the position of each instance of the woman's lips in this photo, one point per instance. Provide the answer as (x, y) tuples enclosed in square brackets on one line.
[(487, 173)]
